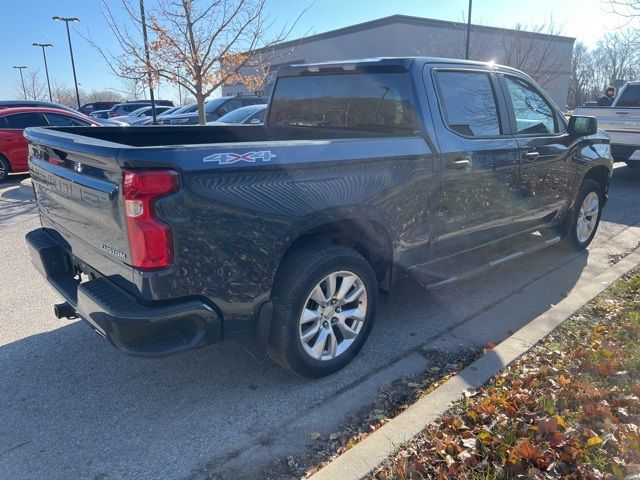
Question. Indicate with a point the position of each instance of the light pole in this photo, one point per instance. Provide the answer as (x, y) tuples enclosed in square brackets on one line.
[(146, 54), (24, 91), (46, 68), (466, 51), (66, 20)]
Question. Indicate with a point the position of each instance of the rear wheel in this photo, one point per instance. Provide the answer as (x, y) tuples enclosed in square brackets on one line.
[(324, 301), (5, 168), (586, 215)]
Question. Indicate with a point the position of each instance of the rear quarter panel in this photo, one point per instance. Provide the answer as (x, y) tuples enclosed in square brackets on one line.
[(233, 222)]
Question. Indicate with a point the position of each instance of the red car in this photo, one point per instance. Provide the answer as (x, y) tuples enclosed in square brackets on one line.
[(13, 121)]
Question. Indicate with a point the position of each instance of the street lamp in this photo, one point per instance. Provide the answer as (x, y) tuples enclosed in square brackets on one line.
[(466, 51), (66, 20), (46, 69), (24, 90)]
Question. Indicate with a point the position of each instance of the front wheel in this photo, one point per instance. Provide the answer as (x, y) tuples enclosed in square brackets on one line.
[(4, 169), (586, 215), (324, 300)]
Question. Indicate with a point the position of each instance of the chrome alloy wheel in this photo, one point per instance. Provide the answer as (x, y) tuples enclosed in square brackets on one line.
[(333, 315), (587, 217)]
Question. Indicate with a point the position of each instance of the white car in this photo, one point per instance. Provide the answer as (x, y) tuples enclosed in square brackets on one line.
[(621, 121), (140, 115)]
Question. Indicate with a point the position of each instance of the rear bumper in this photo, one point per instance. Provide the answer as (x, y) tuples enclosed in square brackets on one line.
[(154, 329)]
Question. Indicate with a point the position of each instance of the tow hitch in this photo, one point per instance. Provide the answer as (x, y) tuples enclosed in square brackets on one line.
[(64, 310)]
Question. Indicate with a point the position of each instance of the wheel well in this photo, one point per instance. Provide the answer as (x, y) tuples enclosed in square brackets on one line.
[(601, 175), (368, 238), (7, 162)]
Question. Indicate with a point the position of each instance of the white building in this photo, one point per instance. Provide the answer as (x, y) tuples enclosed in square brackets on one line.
[(547, 58)]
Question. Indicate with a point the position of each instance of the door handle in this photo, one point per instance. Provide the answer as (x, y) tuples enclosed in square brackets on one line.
[(622, 113), (459, 164), (531, 156)]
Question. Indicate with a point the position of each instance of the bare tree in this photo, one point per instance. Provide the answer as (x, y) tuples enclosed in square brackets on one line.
[(35, 87), (102, 96), (199, 45), (535, 54), (582, 75), (63, 94), (625, 8), (617, 54)]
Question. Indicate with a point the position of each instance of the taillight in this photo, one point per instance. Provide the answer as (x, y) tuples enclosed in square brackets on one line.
[(150, 240)]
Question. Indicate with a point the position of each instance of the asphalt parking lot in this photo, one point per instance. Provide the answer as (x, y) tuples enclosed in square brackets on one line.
[(73, 407)]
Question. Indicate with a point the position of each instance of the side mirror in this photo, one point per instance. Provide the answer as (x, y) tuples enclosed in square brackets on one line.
[(582, 125)]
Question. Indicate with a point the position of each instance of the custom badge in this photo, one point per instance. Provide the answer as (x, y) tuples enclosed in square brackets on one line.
[(230, 158)]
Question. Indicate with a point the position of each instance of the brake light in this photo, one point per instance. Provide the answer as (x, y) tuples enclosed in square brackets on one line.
[(150, 240)]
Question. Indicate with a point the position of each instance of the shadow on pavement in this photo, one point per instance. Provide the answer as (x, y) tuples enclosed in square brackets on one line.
[(77, 408)]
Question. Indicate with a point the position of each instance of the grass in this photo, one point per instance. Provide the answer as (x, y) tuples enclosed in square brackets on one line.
[(569, 408)]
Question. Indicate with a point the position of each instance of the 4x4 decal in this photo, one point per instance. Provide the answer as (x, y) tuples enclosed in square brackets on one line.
[(230, 157)]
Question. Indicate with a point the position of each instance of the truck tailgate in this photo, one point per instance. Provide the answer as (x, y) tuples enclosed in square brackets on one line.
[(79, 200)]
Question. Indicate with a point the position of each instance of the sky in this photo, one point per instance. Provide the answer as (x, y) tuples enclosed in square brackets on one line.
[(29, 21)]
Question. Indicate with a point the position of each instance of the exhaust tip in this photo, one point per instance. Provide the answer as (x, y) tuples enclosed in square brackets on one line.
[(64, 310)]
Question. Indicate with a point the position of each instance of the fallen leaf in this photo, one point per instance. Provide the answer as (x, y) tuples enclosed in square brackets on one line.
[(315, 436), (593, 441)]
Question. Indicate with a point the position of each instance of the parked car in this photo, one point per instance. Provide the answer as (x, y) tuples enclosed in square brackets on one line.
[(100, 114), (33, 103), (88, 108), (213, 109), (13, 121), (622, 122), (251, 115), (139, 115), (182, 109), (126, 108), (365, 171)]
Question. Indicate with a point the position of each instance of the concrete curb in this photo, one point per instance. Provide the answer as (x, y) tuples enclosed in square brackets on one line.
[(362, 459)]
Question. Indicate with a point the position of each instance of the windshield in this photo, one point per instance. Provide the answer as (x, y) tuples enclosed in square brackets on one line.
[(379, 102), (240, 114), (138, 112), (212, 105)]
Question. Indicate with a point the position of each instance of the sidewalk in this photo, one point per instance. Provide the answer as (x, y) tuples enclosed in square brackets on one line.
[(366, 456)]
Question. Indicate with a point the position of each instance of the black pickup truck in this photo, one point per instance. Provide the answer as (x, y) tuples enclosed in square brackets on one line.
[(166, 239)]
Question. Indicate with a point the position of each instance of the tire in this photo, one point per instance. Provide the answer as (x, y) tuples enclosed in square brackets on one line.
[(585, 218), (321, 342), (5, 168)]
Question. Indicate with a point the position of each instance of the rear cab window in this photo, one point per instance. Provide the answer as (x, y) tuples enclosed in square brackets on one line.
[(468, 103), (375, 102), (630, 97)]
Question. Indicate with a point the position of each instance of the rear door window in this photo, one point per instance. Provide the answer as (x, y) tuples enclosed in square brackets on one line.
[(468, 103), (229, 106), (57, 120), (376, 102), (630, 97), (25, 120), (534, 115)]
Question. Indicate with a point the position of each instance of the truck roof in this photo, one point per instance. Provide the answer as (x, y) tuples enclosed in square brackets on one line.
[(382, 63)]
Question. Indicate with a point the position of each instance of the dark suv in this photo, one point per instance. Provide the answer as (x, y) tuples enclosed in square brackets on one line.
[(213, 110), (88, 108)]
